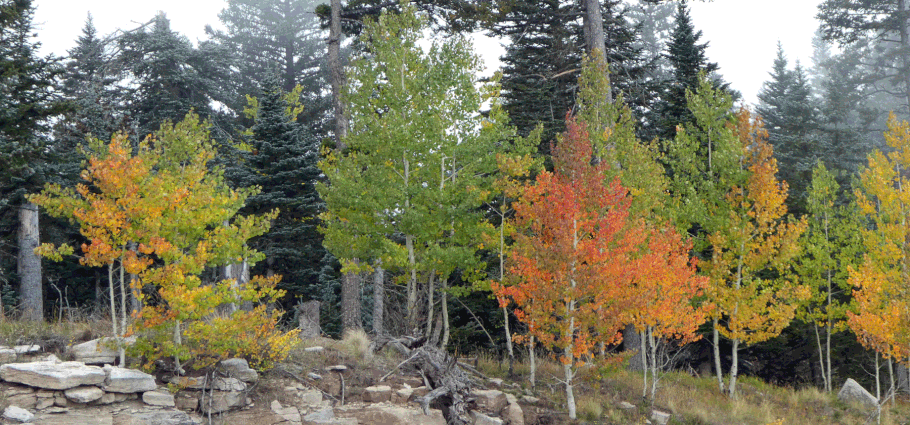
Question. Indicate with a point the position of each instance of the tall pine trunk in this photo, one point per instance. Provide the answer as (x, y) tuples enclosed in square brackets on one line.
[(31, 297), (594, 36)]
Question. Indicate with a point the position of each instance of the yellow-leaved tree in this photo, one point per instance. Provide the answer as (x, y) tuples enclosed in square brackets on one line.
[(159, 214), (881, 285)]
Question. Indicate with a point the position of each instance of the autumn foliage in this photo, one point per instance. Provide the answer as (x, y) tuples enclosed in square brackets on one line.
[(163, 215), (583, 267)]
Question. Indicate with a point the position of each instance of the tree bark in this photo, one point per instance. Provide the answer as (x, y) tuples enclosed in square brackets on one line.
[(718, 370), (631, 341), (594, 34), (350, 301), (29, 265), (337, 74), (378, 299)]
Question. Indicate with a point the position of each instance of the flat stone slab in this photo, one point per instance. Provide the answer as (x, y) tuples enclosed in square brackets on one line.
[(27, 349), (98, 351), (121, 380), (83, 394), (52, 375), (158, 417), (158, 398)]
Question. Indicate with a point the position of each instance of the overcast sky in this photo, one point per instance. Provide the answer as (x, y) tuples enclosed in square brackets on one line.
[(743, 35)]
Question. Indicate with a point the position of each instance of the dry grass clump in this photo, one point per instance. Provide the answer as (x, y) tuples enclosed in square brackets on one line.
[(51, 336)]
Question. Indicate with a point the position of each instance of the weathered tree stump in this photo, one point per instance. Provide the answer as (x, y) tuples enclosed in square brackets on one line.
[(308, 315)]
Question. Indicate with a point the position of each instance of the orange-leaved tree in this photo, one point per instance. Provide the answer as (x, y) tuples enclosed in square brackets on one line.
[(881, 288), (172, 205), (573, 264)]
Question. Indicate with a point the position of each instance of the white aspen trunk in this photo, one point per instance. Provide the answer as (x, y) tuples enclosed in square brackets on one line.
[(717, 368), (28, 265), (653, 343), (123, 291), (378, 298), (350, 300), (445, 314), (569, 361), (178, 341), (893, 389), (505, 310), (878, 385), (431, 287), (532, 359), (734, 368), (110, 281), (821, 359), (643, 350)]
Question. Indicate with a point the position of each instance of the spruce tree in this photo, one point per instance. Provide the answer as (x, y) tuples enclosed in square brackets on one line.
[(791, 116), (687, 59), (171, 76), (28, 98), (266, 35), (282, 160)]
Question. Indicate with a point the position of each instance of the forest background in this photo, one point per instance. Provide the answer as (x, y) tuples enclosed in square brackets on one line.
[(263, 84)]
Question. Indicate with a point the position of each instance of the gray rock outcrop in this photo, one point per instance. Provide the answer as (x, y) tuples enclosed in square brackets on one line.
[(18, 414), (121, 380), (52, 375), (240, 369), (83, 394), (853, 392)]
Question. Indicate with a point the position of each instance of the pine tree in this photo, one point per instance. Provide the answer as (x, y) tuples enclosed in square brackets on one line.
[(543, 63), (687, 59), (790, 112), (28, 97), (276, 35), (171, 76), (282, 161)]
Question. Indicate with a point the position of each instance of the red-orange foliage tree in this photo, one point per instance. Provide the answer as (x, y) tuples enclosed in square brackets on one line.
[(580, 255)]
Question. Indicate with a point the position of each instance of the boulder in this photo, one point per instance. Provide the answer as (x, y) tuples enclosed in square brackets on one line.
[(240, 369), (51, 375), (157, 417), (25, 401), (402, 396), (122, 380), (186, 401), (481, 419), (660, 418), (158, 398), (7, 355), (389, 414), (310, 398), (228, 384), (18, 414), (490, 400), (290, 414), (852, 391), (625, 405), (513, 413), (27, 349), (377, 394), (221, 401), (98, 351), (188, 382), (83, 394), (322, 416)]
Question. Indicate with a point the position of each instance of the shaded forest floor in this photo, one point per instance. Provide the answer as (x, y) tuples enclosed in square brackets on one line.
[(602, 392)]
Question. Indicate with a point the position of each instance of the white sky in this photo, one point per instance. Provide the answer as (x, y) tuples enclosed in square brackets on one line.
[(743, 35)]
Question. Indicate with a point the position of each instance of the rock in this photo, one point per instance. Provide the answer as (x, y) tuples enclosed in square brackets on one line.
[(15, 413), (513, 413), (311, 398), (27, 349), (660, 418), (314, 376), (625, 405), (852, 391), (387, 414), (288, 413), (121, 380), (55, 410), (490, 400), (314, 349), (481, 419), (25, 401), (60, 399), (185, 401), (420, 391), (228, 384), (321, 416), (72, 417), (158, 417), (7, 355), (188, 382), (50, 375), (98, 351), (44, 403), (530, 400), (240, 369), (377, 394), (158, 398), (83, 394), (221, 401), (496, 382), (402, 395)]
